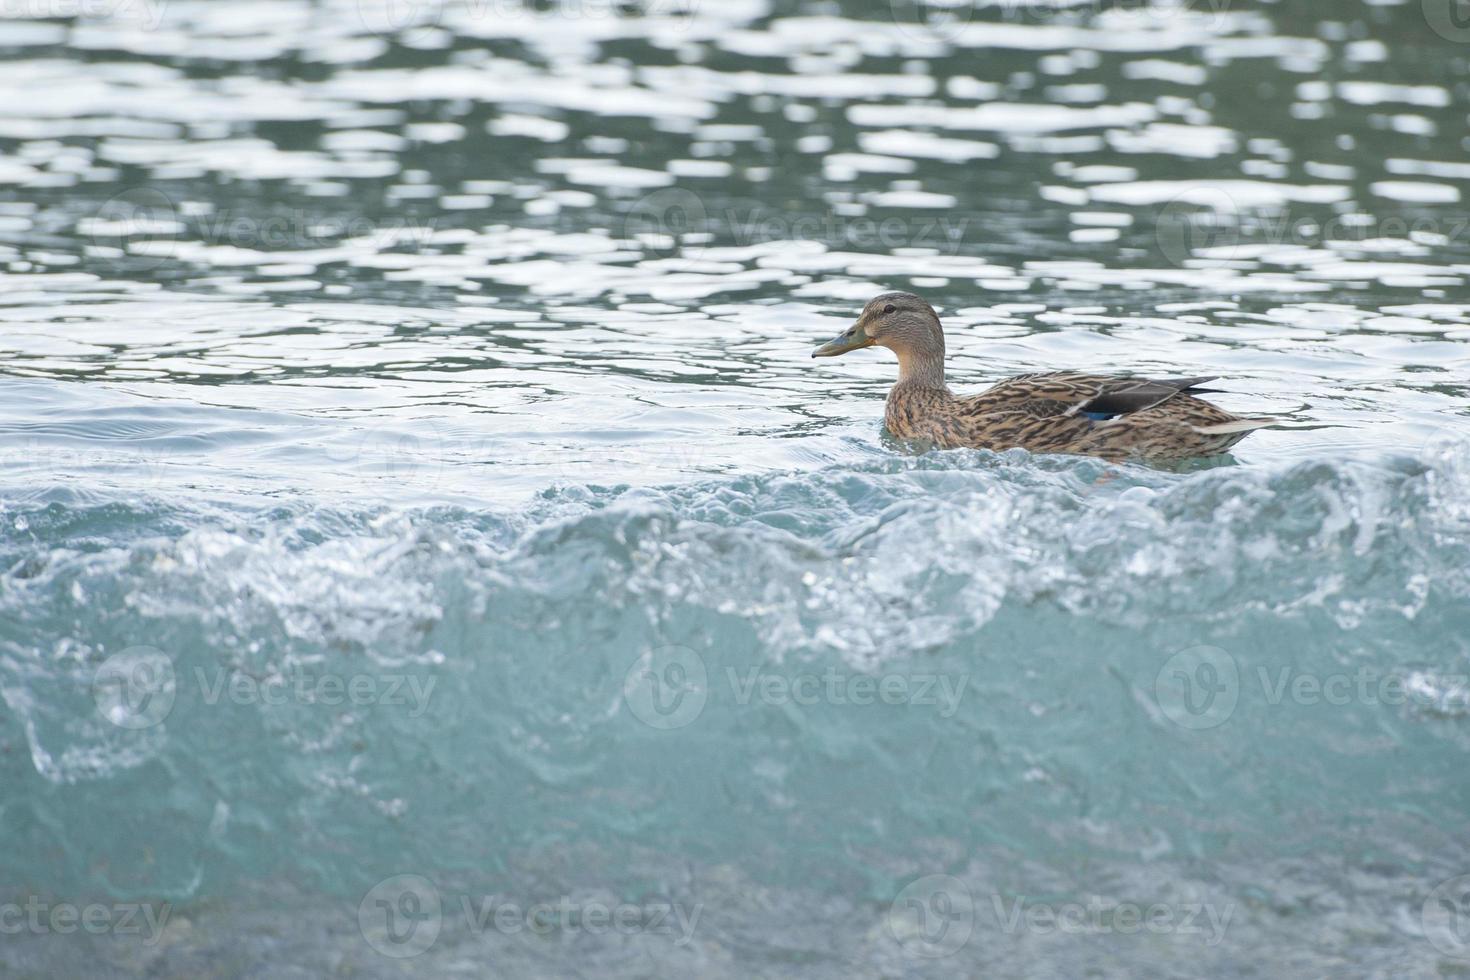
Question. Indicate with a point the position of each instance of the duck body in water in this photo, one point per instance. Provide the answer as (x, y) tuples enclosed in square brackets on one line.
[(1110, 416)]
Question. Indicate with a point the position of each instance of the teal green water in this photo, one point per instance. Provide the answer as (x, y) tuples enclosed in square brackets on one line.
[(427, 548)]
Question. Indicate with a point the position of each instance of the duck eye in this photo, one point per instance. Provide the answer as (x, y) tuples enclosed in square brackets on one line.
[(889, 308)]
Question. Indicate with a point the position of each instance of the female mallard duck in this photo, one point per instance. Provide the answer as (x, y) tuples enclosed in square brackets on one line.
[(1058, 412)]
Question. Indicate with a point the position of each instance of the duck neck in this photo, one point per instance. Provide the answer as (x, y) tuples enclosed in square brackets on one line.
[(921, 368)]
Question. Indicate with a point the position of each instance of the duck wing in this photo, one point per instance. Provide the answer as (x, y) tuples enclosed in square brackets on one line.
[(1068, 393), (1098, 414), (1120, 396)]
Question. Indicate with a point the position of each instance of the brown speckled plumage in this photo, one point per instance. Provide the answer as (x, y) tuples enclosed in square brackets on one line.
[(1064, 412)]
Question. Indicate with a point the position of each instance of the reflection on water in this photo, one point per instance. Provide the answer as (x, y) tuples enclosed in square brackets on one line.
[(526, 264), (512, 220)]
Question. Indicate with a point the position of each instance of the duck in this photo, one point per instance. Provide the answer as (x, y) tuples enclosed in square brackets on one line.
[(1113, 417)]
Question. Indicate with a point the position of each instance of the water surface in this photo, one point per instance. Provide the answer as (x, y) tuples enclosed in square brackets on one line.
[(459, 351)]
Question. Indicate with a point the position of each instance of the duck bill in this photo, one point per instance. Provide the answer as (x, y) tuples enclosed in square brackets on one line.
[(854, 338)]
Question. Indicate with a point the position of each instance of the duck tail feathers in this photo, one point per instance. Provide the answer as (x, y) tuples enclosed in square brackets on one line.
[(1236, 425)]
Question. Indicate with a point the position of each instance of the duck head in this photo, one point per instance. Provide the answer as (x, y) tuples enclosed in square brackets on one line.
[(902, 322)]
